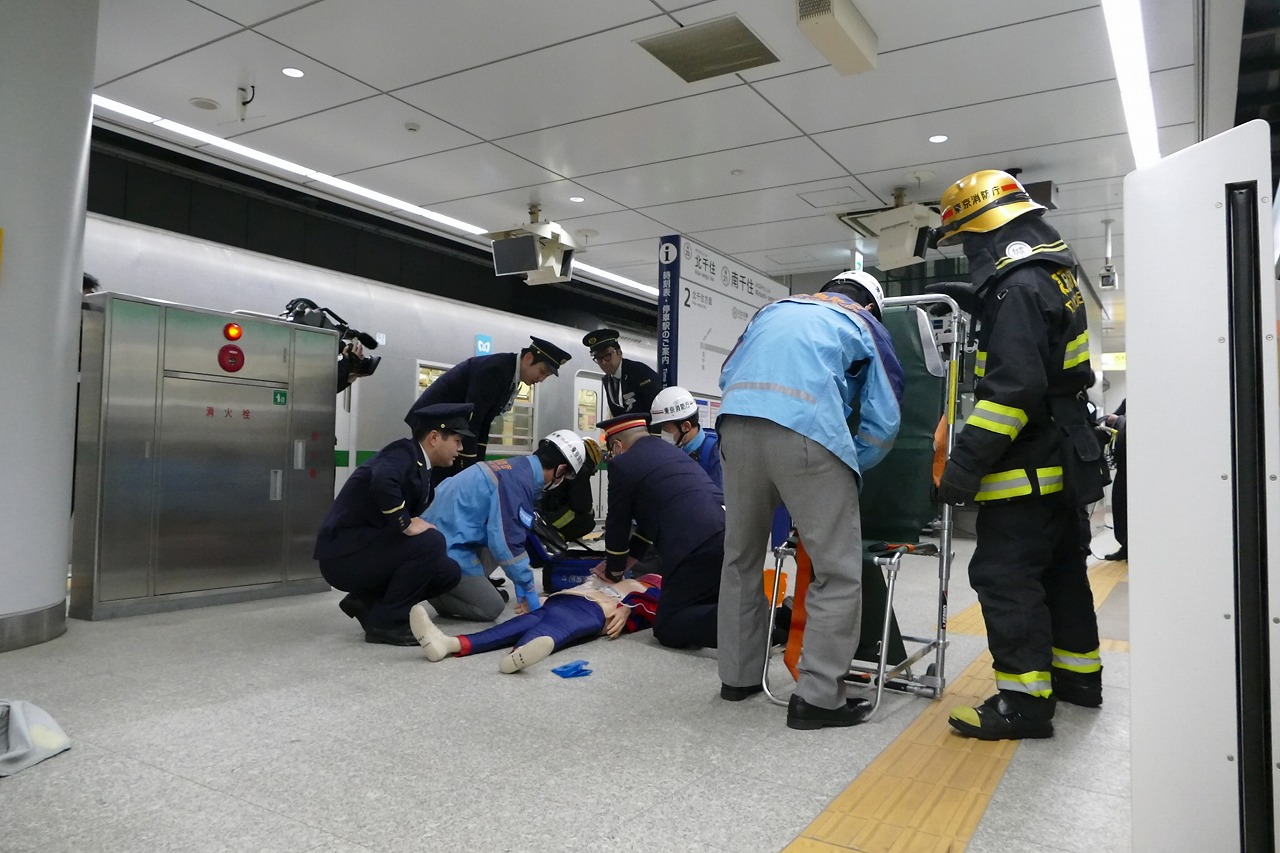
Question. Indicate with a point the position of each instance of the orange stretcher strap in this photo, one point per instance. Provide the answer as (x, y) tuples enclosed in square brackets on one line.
[(795, 638)]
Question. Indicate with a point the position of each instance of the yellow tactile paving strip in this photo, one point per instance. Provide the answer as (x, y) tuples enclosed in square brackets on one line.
[(928, 790)]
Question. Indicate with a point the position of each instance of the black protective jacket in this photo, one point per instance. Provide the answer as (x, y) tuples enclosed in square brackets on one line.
[(1029, 433)]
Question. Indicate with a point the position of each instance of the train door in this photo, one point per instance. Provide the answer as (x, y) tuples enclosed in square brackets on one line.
[(589, 409)]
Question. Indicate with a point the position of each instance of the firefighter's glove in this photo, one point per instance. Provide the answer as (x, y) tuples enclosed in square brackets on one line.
[(958, 485)]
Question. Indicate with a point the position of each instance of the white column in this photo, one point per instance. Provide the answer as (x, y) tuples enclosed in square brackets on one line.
[(46, 77)]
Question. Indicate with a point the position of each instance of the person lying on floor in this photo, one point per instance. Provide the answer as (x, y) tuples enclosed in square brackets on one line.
[(589, 609)]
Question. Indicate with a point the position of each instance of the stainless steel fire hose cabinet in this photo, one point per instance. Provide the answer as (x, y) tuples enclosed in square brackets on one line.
[(204, 457)]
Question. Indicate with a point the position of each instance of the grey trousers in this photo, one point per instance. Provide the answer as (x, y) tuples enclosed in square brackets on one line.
[(474, 598), (765, 463)]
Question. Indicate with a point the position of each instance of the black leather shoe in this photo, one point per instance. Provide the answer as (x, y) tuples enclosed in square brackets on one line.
[(1078, 688), (355, 607), (398, 636), (802, 715), (736, 694), (998, 719), (1122, 554)]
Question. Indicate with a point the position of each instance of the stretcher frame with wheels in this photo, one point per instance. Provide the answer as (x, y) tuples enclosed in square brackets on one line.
[(880, 674)]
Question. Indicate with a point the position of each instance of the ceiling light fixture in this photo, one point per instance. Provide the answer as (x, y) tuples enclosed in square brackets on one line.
[(936, 138), (1129, 53), (576, 199), (292, 72), (212, 141)]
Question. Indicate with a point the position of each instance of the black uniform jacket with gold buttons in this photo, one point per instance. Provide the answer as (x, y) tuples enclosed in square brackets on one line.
[(379, 498), (488, 382)]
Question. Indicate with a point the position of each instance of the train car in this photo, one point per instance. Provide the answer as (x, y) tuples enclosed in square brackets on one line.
[(419, 335)]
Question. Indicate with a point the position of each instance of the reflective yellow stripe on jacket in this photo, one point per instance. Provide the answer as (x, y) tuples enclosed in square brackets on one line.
[(1017, 483), (980, 364), (1033, 683), (1006, 420), (1077, 351)]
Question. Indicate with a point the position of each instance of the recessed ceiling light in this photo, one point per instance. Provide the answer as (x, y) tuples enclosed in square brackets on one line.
[(204, 103), (938, 138), (576, 199), (291, 72), (736, 172)]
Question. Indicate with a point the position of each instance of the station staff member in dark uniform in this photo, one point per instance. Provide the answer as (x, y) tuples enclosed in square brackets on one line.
[(629, 386), (372, 543), (489, 384), (678, 511), (1028, 456)]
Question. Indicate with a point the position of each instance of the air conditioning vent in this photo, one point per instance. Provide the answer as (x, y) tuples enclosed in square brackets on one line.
[(710, 49), (840, 33)]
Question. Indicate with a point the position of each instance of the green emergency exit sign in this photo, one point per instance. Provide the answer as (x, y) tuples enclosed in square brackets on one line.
[(280, 398)]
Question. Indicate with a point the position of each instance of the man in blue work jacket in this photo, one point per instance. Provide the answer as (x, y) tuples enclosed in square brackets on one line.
[(811, 400), (373, 545), (673, 417), (485, 514)]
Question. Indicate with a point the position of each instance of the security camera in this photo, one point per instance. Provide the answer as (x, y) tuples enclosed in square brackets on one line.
[(1108, 279)]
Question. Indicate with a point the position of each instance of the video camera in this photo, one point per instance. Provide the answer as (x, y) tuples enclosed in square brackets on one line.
[(304, 312)]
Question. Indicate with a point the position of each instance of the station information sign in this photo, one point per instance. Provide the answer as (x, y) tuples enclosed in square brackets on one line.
[(705, 301)]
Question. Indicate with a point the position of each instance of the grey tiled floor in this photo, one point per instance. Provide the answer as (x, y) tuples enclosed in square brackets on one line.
[(271, 726)]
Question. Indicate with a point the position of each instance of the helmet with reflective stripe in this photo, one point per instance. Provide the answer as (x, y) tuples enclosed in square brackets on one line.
[(570, 447), (672, 405), (864, 279), (982, 202)]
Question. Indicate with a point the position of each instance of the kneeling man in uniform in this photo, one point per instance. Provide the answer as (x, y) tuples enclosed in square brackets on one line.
[(372, 543)]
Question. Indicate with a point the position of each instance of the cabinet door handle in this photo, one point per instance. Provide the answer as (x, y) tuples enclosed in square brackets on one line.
[(299, 455), (277, 484)]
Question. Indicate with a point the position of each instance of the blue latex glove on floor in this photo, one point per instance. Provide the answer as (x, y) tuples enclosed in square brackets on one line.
[(574, 669)]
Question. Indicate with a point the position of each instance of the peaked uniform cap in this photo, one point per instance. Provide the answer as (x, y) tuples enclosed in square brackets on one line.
[(446, 417), (622, 423), (601, 338), (548, 353)]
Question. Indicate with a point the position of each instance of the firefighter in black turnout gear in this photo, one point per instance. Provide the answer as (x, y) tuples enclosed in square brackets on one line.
[(1028, 457)]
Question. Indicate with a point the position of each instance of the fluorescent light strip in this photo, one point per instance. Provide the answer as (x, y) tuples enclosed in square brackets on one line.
[(329, 180), (1129, 52)]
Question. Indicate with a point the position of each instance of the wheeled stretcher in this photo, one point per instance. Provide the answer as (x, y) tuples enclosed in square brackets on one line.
[(897, 504)]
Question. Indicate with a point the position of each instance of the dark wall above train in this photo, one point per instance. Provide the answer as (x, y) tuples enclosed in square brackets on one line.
[(132, 180)]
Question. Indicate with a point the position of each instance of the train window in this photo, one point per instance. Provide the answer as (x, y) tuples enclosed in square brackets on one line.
[(428, 373), (588, 409), (513, 432)]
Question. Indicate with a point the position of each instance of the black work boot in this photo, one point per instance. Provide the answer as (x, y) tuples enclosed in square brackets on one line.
[(1078, 688), (1005, 716)]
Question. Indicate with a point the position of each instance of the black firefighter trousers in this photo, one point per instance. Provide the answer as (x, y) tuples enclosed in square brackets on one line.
[(1029, 572)]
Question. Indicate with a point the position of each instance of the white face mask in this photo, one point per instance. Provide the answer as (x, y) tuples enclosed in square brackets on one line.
[(667, 437)]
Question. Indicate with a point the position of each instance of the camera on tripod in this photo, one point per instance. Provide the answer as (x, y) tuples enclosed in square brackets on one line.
[(304, 312)]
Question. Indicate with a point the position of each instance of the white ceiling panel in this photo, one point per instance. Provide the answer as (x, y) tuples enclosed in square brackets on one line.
[(449, 175), (133, 34), (395, 43), (620, 227), (1169, 27), (502, 209), (769, 164), (217, 70), (751, 208), (249, 12), (774, 236), (943, 75), (633, 254), (1174, 94), (726, 118), (1042, 118), (358, 135), (484, 101)]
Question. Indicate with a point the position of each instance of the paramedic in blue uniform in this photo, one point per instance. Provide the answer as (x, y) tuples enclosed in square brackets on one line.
[(811, 400), (372, 543), (673, 417), (629, 386), (489, 383), (485, 514), (678, 511), (1028, 457)]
